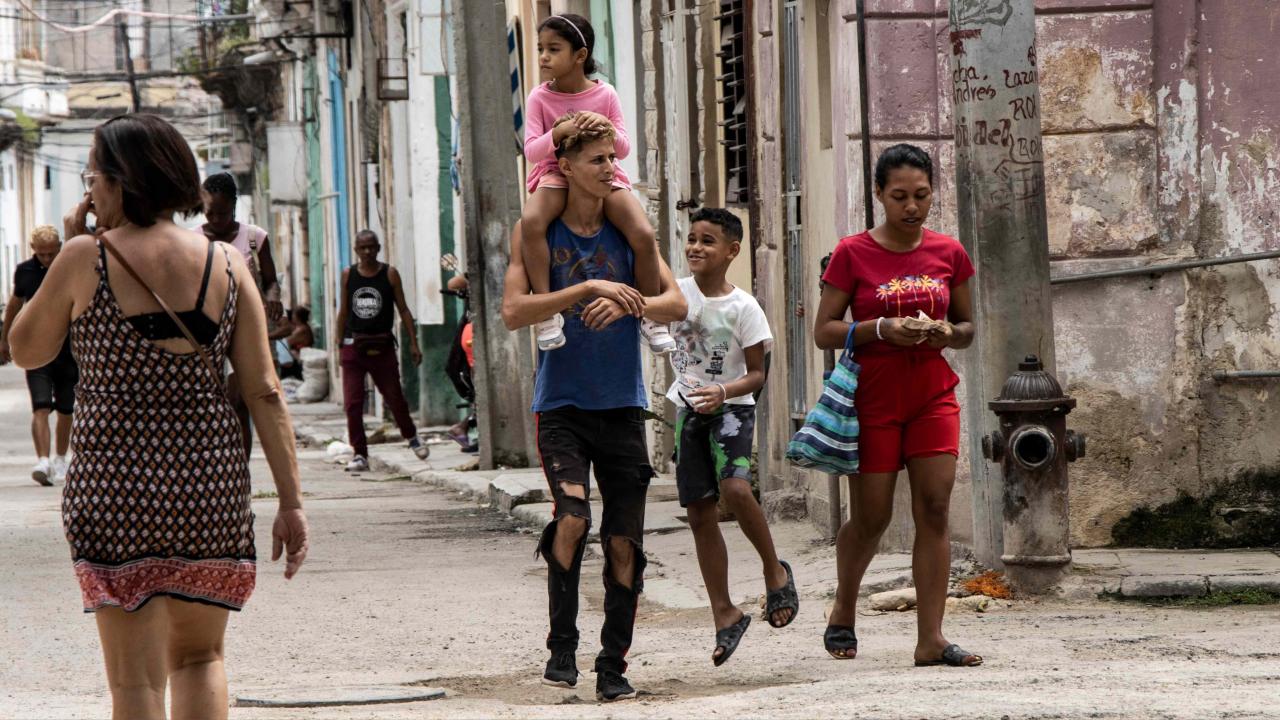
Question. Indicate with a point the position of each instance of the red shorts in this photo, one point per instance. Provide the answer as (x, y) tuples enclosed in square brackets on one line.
[(907, 408)]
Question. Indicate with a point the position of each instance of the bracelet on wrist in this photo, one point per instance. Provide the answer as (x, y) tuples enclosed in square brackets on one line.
[(878, 321)]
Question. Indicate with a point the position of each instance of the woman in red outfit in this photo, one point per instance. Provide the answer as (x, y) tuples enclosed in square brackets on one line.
[(906, 398)]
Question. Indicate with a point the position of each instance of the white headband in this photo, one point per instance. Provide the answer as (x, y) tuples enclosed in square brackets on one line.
[(570, 23)]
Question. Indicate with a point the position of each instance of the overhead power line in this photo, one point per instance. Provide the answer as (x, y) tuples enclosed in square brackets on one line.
[(146, 14), (155, 25)]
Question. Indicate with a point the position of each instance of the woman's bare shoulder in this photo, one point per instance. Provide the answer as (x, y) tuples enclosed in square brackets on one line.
[(79, 245), (78, 254)]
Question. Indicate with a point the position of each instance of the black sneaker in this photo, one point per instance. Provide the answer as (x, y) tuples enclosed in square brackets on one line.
[(562, 671), (611, 686)]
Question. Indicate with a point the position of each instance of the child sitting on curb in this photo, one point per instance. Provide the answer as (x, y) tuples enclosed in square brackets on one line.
[(719, 364)]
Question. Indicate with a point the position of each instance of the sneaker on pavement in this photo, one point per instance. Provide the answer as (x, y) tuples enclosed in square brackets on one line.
[(659, 337), (611, 686), (40, 473), (419, 448), (358, 463), (60, 468), (562, 671), (550, 332)]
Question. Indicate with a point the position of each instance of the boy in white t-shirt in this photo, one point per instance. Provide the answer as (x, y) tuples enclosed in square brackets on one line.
[(719, 364)]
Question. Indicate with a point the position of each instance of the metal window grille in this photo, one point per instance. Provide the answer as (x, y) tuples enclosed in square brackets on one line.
[(393, 79), (733, 100)]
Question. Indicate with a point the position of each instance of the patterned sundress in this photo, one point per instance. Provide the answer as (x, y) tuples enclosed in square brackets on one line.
[(157, 499)]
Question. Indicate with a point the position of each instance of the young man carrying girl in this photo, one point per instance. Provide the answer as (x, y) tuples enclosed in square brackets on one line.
[(589, 405), (564, 105), (719, 364)]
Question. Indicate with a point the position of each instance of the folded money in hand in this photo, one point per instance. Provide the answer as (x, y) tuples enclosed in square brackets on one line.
[(922, 322)]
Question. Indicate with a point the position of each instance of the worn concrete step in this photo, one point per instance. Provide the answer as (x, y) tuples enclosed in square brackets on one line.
[(525, 487), (661, 517), (1155, 586), (663, 489), (1237, 583), (517, 488)]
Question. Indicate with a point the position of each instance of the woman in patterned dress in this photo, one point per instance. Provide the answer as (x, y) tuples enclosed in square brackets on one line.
[(157, 501)]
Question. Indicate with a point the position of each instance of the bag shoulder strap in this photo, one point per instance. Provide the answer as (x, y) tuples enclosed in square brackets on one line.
[(182, 327), (848, 340)]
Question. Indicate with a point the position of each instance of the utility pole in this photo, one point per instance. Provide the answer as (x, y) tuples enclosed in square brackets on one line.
[(491, 207), (1001, 208), (122, 33)]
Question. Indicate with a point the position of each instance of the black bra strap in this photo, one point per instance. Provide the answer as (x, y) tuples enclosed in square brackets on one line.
[(102, 259), (204, 283)]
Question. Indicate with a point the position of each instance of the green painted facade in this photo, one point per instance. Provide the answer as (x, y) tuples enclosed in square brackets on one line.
[(602, 23), (437, 398), (427, 388)]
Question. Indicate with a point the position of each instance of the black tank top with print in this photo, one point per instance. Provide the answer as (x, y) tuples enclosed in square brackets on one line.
[(372, 302)]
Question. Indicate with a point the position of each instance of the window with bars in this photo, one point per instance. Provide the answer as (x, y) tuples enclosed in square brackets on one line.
[(733, 100)]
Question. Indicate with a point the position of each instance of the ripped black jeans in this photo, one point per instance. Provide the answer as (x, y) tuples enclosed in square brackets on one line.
[(571, 442)]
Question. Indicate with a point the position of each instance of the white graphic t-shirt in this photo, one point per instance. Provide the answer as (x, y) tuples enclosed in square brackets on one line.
[(710, 341)]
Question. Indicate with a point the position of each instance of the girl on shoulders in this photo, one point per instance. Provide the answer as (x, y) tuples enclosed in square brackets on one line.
[(570, 101)]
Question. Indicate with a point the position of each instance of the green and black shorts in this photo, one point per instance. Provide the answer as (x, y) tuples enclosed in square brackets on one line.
[(712, 447)]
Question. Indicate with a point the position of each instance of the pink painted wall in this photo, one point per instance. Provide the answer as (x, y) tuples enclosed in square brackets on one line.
[(1161, 143)]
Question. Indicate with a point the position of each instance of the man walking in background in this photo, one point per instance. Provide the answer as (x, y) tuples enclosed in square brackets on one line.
[(371, 295), (53, 386)]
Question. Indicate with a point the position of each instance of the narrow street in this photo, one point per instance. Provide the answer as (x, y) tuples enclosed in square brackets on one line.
[(407, 586)]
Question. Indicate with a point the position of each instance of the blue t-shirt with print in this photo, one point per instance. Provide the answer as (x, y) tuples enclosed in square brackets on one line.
[(596, 369)]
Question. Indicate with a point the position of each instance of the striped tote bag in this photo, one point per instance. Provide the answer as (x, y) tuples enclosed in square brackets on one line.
[(829, 439)]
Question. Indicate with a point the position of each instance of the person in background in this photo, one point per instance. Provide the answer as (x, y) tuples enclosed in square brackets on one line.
[(53, 386), (219, 194), (289, 337), (371, 295), (464, 343)]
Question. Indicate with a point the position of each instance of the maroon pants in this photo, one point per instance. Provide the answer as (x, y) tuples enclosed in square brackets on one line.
[(384, 367)]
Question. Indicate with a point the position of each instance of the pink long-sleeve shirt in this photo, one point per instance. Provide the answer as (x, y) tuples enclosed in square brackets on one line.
[(545, 106)]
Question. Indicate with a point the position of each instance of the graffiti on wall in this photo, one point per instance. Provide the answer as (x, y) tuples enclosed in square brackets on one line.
[(980, 12), (1013, 127)]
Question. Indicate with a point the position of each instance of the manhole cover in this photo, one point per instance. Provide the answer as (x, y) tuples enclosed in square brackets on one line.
[(336, 696)]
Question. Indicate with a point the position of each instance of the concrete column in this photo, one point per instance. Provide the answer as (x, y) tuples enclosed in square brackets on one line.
[(491, 206), (1001, 211)]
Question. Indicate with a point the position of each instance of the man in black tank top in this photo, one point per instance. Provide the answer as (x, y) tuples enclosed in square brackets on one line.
[(368, 346)]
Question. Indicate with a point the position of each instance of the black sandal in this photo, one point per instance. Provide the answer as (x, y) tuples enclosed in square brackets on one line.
[(840, 639), (955, 656), (728, 639), (784, 598)]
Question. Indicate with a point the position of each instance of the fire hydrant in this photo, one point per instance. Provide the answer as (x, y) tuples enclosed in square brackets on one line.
[(1033, 447)]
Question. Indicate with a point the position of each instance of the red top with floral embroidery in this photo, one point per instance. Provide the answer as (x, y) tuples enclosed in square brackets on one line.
[(884, 283)]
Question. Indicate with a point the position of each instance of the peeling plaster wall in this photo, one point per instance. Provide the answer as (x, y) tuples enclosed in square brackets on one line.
[(1238, 103), (1161, 143)]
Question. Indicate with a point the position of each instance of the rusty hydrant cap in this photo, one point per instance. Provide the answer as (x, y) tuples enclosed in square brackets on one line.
[(1031, 382), (1031, 389)]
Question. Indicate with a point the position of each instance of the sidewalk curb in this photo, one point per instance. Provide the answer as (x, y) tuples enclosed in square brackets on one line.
[(521, 494)]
